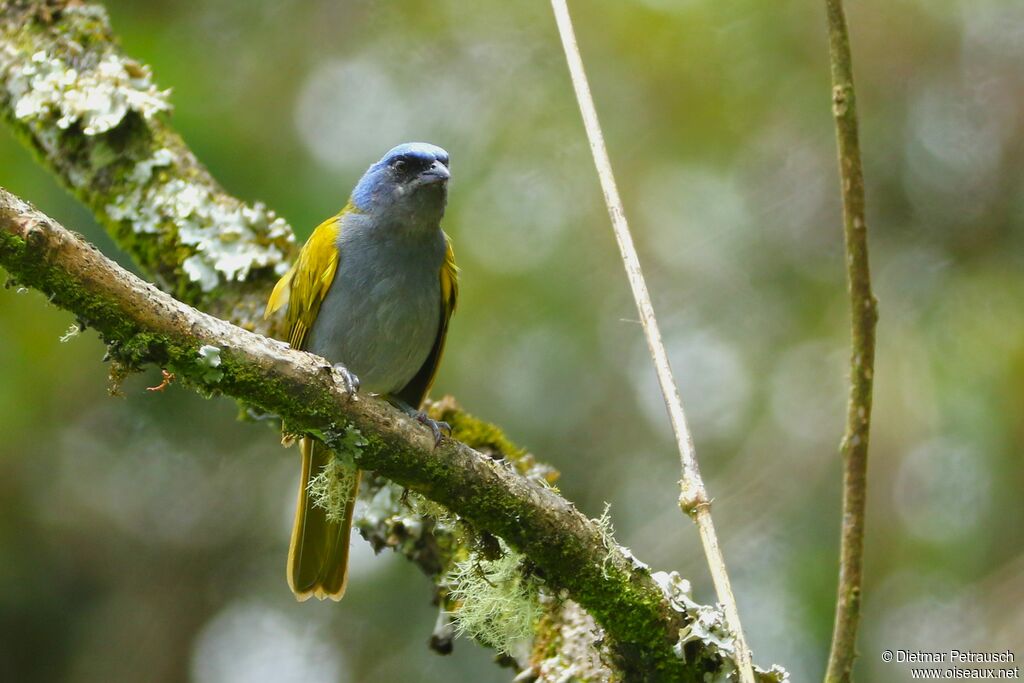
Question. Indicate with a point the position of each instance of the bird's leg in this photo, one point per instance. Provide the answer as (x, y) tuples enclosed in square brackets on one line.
[(436, 426), (348, 379)]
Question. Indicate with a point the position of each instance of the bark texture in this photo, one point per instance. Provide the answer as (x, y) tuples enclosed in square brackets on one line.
[(863, 319)]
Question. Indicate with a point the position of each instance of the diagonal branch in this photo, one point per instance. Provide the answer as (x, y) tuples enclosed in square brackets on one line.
[(864, 316), (693, 498), (94, 117), (142, 325)]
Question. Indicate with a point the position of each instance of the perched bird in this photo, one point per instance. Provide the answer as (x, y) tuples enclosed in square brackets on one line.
[(372, 291)]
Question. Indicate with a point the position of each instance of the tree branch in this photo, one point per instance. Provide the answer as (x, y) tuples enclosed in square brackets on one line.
[(95, 119), (864, 316), (642, 620), (693, 497)]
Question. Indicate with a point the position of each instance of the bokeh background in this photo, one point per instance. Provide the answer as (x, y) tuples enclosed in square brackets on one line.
[(144, 537)]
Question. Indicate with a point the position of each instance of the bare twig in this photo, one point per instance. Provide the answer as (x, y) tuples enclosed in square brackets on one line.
[(693, 498), (864, 315)]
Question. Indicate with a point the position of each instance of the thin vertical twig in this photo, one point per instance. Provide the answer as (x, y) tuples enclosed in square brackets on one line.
[(864, 316), (693, 498)]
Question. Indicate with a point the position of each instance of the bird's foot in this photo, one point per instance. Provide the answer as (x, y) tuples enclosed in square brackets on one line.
[(436, 426), (348, 379)]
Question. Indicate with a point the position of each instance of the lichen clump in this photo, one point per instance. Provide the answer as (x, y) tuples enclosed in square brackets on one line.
[(331, 488), (707, 625), (209, 360), (72, 92), (498, 601), (96, 98), (229, 238), (572, 653), (607, 531), (411, 525), (393, 506)]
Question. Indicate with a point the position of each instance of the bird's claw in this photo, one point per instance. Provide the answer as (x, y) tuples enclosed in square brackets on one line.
[(436, 426), (348, 379)]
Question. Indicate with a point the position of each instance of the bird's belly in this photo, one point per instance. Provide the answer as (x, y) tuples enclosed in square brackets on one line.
[(381, 328)]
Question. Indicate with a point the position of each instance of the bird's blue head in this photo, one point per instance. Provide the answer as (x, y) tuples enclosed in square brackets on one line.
[(409, 185)]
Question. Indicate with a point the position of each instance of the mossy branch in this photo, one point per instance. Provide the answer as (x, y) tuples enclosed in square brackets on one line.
[(94, 117), (864, 316), (643, 622)]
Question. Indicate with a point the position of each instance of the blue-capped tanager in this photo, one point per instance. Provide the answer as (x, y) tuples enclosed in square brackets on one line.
[(372, 291)]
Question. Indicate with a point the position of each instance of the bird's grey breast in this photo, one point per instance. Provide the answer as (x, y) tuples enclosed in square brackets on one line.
[(381, 315)]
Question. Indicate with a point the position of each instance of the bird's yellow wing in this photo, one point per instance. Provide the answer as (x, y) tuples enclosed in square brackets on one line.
[(304, 286), (416, 390)]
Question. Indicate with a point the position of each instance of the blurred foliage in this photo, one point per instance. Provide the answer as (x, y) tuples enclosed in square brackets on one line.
[(144, 537)]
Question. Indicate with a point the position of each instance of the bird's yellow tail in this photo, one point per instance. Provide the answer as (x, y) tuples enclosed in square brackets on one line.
[(318, 555)]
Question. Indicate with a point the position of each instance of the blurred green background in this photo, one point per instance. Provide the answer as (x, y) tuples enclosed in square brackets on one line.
[(144, 537)]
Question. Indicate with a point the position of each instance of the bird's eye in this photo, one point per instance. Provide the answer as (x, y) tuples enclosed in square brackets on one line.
[(399, 165)]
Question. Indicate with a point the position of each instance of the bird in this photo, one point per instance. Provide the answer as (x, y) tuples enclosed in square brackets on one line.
[(371, 291)]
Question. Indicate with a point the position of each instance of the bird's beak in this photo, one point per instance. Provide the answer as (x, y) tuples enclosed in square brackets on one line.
[(437, 173)]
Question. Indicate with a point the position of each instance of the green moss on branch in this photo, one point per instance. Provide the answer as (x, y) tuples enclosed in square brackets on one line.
[(95, 118), (143, 325)]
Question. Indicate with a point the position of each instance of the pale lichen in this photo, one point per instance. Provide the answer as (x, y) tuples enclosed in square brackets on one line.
[(573, 655), (331, 487), (389, 516), (71, 333), (389, 508), (497, 601), (607, 532), (384, 505), (229, 239), (143, 170), (444, 520), (776, 674), (707, 626), (209, 359), (92, 11), (97, 98), (65, 90), (209, 355)]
